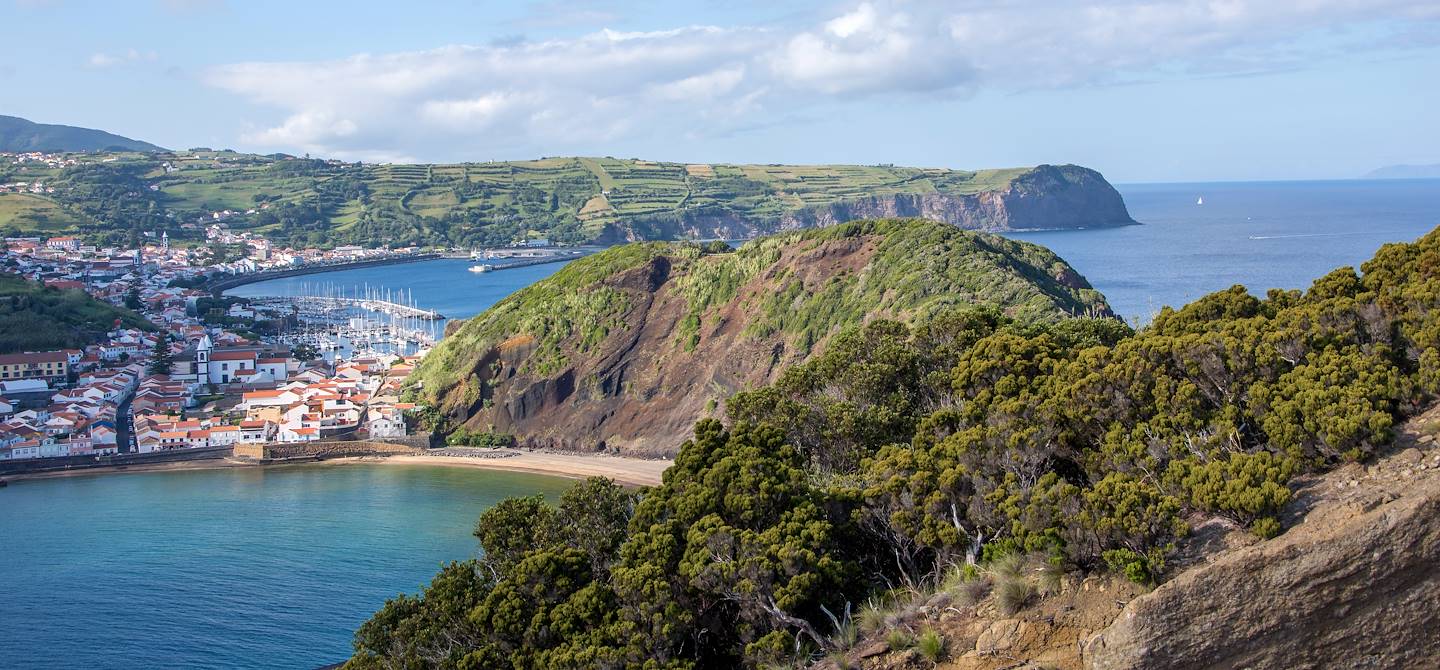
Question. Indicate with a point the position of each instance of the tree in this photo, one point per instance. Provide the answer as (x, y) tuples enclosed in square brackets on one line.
[(161, 361), (132, 299), (304, 352)]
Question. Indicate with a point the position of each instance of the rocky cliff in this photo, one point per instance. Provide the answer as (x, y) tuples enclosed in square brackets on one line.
[(626, 349), (1351, 584), (1040, 198)]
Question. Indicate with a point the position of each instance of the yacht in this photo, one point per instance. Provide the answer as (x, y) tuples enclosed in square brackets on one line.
[(481, 268)]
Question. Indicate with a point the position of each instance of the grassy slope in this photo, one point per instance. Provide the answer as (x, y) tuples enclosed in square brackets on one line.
[(920, 267), (208, 181), (34, 317)]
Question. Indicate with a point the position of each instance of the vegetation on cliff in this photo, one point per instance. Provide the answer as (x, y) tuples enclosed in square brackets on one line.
[(35, 317), (115, 198), (673, 307), (905, 451)]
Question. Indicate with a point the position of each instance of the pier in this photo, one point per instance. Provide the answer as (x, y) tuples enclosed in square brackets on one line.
[(364, 318)]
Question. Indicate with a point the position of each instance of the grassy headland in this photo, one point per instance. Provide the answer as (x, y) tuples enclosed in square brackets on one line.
[(35, 317)]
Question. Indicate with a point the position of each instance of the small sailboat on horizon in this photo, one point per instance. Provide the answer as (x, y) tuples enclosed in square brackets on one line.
[(1200, 200)]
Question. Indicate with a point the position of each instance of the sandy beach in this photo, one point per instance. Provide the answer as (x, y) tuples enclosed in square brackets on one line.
[(634, 471), (630, 471)]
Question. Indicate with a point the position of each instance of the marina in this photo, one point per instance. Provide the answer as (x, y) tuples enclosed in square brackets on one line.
[(343, 322)]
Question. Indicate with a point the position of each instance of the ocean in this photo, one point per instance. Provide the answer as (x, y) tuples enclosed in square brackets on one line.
[(1262, 235), (276, 568)]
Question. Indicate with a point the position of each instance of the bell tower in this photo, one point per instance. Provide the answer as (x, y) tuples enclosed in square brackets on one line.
[(202, 359)]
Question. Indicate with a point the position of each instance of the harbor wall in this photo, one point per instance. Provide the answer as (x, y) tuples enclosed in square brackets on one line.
[(31, 465)]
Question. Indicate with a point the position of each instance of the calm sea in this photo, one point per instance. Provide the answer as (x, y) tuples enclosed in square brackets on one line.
[(1260, 234), (276, 568), (241, 568)]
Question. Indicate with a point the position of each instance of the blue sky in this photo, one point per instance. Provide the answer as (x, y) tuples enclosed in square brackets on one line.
[(1143, 91)]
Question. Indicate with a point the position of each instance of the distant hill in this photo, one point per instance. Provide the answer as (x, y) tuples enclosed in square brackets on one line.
[(35, 317), (1405, 172), (568, 200), (20, 135)]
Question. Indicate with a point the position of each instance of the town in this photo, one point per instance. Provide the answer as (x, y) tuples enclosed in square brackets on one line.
[(209, 375)]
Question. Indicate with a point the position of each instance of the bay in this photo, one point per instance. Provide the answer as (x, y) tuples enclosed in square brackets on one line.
[(232, 568)]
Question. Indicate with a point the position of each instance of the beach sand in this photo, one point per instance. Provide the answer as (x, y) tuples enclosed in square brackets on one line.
[(631, 471), (634, 471)]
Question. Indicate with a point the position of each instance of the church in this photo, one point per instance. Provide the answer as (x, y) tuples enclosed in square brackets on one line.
[(249, 366)]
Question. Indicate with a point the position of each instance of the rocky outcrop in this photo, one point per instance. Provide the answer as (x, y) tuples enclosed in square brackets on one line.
[(1046, 197), (1354, 585)]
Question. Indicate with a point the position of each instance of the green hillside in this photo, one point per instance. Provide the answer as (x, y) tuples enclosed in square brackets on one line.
[(20, 136), (115, 197), (653, 332), (34, 317)]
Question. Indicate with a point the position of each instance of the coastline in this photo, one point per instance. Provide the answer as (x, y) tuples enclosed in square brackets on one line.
[(628, 471)]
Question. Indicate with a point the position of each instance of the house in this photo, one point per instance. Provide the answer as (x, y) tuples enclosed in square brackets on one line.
[(276, 398), (386, 423), (224, 436), (48, 365), (63, 243), (255, 431), (299, 434)]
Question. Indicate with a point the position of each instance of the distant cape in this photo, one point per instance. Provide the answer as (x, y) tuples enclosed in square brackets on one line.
[(1405, 172), (20, 135)]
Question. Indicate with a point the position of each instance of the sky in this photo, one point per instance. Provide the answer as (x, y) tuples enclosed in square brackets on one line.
[(1142, 91)]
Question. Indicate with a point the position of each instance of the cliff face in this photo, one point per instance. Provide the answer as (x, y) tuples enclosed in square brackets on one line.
[(1044, 197), (1354, 585), (1351, 584), (625, 350)]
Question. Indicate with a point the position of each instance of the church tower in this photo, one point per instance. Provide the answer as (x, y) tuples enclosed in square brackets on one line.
[(202, 359)]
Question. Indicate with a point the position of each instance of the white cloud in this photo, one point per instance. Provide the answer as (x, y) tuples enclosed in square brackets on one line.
[(129, 56), (567, 94)]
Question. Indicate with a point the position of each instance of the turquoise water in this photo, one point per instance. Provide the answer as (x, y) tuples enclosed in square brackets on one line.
[(237, 568), (1260, 234)]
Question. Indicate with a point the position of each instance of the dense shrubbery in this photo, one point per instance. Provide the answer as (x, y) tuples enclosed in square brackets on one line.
[(34, 317), (462, 437), (906, 450)]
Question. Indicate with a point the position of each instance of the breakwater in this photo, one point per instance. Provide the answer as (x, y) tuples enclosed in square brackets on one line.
[(223, 284)]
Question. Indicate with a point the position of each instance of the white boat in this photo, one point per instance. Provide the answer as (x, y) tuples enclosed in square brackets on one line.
[(1200, 200), (481, 268)]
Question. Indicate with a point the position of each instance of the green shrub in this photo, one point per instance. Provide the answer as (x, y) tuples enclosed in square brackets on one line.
[(1013, 594), (1266, 527), (899, 639), (931, 645)]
